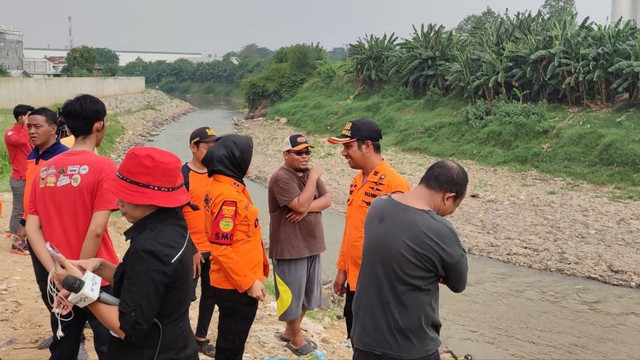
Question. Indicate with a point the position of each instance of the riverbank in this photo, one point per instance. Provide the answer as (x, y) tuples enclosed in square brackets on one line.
[(526, 219)]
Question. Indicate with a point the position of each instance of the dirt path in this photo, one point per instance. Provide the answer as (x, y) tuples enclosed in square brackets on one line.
[(527, 219)]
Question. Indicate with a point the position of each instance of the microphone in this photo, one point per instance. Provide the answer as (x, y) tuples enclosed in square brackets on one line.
[(79, 287)]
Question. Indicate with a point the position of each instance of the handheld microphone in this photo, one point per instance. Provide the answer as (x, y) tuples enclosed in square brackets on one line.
[(79, 288)]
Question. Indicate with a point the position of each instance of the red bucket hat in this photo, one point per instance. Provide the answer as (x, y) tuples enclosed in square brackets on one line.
[(150, 176)]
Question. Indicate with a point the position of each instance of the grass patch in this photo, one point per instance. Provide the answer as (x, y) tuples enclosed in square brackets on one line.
[(269, 286), (599, 147), (114, 130), (6, 121)]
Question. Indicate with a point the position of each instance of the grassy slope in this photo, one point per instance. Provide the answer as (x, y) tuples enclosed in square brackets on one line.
[(600, 147)]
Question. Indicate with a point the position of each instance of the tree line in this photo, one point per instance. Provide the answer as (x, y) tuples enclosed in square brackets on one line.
[(526, 57)]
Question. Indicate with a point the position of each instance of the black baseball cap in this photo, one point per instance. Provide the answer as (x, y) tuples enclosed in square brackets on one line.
[(203, 134), (295, 142), (359, 129)]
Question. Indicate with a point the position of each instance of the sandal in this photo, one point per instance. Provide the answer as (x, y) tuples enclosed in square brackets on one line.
[(309, 347)]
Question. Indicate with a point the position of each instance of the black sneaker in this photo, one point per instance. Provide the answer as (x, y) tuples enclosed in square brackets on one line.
[(206, 348)]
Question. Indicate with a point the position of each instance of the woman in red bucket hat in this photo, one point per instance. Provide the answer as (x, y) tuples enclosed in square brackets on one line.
[(153, 281)]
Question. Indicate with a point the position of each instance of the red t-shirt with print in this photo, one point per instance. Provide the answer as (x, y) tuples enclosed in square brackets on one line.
[(66, 193)]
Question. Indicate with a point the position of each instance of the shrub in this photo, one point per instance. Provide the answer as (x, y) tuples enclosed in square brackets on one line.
[(502, 111)]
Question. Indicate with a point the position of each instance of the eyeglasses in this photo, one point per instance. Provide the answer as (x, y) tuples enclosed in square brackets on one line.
[(300, 152)]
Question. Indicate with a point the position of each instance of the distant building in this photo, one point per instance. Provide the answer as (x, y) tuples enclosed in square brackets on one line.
[(11, 48), (626, 9), (125, 56), (40, 67), (204, 58)]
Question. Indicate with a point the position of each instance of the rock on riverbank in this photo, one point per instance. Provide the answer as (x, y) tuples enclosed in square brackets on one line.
[(143, 116)]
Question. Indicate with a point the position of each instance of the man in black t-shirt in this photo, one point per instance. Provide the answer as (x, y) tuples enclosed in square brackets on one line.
[(409, 248)]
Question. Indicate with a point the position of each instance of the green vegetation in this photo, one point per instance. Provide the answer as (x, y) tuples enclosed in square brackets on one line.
[(282, 75), (526, 57), (217, 77), (600, 147), (109, 60), (82, 60), (6, 121), (3, 71), (114, 130)]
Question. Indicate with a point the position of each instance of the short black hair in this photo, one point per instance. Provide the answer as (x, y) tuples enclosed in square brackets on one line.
[(21, 110), (446, 176), (377, 148), (81, 112), (49, 115)]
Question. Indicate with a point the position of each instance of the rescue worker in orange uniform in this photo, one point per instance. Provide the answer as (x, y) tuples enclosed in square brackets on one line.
[(360, 139), (197, 183), (238, 260)]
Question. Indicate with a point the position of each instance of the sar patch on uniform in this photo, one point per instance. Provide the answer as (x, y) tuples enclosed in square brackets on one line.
[(223, 227)]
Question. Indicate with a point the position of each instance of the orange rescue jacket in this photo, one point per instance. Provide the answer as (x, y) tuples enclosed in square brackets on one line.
[(237, 257), (382, 180)]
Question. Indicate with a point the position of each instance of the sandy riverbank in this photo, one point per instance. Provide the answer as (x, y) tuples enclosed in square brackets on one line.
[(527, 219)]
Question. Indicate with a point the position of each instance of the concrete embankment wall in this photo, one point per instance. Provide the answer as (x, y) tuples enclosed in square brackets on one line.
[(47, 91)]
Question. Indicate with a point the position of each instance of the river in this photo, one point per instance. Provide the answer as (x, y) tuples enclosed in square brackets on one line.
[(506, 312)]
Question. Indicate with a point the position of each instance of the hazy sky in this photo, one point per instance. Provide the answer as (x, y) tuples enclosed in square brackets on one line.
[(216, 27)]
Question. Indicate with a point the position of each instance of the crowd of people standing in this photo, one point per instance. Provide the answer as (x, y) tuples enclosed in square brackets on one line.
[(197, 221)]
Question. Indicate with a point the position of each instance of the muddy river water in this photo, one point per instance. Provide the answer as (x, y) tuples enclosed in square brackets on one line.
[(506, 312)]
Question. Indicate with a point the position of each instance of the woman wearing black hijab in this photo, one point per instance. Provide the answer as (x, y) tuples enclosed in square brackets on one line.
[(238, 260)]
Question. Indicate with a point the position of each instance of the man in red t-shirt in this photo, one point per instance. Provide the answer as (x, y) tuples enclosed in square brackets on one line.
[(74, 181), (18, 147)]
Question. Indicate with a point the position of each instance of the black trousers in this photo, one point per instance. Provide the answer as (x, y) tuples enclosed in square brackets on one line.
[(366, 355), (68, 346), (237, 312), (207, 301), (348, 313), (41, 275)]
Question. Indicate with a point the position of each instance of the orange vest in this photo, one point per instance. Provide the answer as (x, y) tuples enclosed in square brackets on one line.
[(197, 184), (382, 180), (237, 257)]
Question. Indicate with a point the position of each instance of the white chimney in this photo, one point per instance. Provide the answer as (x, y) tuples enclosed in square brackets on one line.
[(626, 9)]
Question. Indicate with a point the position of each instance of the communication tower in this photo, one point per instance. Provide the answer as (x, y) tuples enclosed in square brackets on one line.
[(70, 34)]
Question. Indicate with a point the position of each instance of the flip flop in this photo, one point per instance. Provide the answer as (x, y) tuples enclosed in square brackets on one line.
[(305, 349), (284, 339)]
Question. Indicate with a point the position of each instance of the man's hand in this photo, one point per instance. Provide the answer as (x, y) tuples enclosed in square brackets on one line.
[(339, 284), (294, 217), (197, 264), (257, 291), (315, 172)]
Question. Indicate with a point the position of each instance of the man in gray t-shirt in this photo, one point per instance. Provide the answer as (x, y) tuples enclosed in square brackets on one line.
[(296, 239), (409, 248)]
